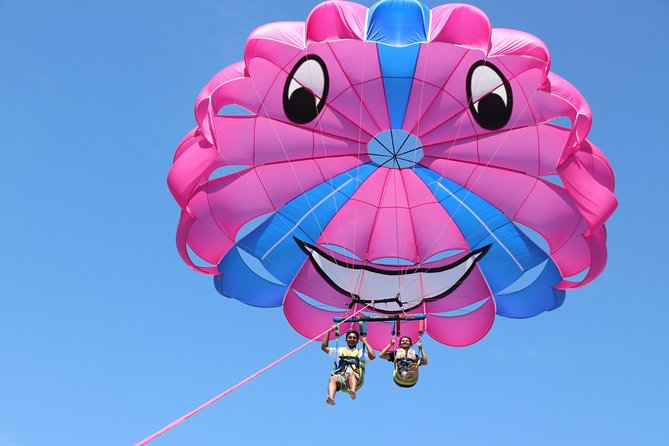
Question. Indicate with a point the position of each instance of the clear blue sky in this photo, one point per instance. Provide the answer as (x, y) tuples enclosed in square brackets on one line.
[(106, 336)]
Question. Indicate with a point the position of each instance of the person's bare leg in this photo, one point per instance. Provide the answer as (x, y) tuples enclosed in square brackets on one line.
[(333, 383), (352, 384)]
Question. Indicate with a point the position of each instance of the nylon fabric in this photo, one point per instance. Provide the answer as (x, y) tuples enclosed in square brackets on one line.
[(309, 202), (398, 22)]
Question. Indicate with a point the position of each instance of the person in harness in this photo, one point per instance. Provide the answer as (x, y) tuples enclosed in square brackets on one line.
[(349, 373), (406, 361)]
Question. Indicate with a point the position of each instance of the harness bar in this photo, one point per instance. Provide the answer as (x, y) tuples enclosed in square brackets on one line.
[(382, 317)]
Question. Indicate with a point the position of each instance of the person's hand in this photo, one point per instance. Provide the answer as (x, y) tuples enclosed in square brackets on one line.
[(392, 340), (419, 345)]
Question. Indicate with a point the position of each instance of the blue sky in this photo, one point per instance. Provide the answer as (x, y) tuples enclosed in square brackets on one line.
[(106, 336)]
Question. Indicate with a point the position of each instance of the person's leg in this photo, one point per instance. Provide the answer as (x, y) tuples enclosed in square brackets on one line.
[(333, 386), (352, 380)]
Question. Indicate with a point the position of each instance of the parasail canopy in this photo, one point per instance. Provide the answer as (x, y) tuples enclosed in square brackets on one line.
[(397, 159)]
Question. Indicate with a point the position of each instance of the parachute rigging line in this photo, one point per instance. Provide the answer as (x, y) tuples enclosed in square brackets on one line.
[(231, 389)]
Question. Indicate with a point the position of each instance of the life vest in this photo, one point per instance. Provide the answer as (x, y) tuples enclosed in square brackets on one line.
[(409, 354), (405, 360), (352, 358)]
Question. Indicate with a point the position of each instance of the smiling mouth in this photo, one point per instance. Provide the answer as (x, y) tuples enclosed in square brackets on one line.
[(392, 289)]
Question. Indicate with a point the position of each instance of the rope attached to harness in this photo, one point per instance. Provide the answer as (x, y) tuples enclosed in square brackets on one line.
[(235, 387)]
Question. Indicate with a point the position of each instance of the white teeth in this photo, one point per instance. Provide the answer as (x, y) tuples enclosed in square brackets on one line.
[(371, 285)]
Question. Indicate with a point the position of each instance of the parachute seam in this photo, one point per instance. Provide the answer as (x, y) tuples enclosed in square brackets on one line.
[(466, 107), (290, 163), (374, 220), (328, 103), (362, 101), (311, 211), (295, 160), (319, 126), (421, 116), (413, 228), (352, 86), (418, 122), (468, 188), (463, 113)]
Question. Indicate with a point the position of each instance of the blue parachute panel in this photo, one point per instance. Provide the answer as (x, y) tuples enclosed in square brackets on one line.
[(511, 252), (246, 285), (398, 22), (537, 297), (397, 68), (263, 263), (559, 298)]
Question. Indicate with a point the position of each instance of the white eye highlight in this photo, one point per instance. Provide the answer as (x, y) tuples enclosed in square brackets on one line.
[(486, 81), (489, 96), (309, 75)]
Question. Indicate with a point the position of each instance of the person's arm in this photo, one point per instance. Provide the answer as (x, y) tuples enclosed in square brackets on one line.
[(423, 356), (326, 340), (384, 353), (370, 351)]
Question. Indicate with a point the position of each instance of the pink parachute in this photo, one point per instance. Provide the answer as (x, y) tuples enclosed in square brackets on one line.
[(400, 159)]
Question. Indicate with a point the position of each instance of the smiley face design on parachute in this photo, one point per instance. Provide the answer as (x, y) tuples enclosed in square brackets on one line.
[(397, 159)]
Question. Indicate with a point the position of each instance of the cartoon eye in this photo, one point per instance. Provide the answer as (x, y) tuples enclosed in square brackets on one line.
[(306, 90), (489, 95)]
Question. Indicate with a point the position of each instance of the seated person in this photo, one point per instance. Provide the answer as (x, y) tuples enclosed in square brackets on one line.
[(350, 361), (406, 361)]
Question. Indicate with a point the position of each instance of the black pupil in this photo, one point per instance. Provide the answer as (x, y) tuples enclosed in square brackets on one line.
[(493, 111), (301, 106)]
